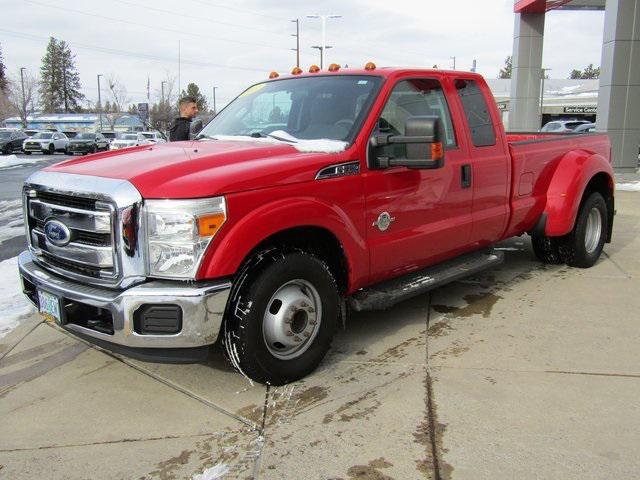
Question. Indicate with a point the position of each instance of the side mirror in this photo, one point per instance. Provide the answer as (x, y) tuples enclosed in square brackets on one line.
[(423, 140)]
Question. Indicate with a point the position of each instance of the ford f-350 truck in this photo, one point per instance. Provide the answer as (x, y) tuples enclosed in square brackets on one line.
[(307, 196)]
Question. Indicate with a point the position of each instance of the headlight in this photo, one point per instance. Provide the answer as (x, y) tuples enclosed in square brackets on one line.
[(179, 232)]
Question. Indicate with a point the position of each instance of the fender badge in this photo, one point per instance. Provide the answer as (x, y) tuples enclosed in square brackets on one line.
[(384, 221)]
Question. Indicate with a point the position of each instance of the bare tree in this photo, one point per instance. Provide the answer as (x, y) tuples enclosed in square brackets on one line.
[(21, 100), (119, 94), (163, 111)]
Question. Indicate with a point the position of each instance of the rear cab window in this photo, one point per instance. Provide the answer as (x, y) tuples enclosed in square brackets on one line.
[(477, 113)]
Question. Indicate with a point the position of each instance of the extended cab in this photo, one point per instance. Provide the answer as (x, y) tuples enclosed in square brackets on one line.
[(308, 195)]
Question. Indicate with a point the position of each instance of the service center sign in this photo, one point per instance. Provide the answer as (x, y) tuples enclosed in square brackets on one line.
[(590, 110)]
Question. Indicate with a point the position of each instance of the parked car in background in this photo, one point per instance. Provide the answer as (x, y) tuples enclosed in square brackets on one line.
[(30, 132), (562, 126), (154, 137), (87, 143), (109, 135), (11, 140), (129, 140), (46, 142), (71, 134), (585, 128)]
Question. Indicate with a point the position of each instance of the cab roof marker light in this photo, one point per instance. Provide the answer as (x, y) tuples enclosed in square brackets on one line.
[(273, 75), (334, 67), (296, 71), (314, 69), (370, 66)]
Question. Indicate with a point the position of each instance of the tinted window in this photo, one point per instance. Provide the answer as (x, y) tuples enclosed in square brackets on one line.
[(477, 113), (552, 126), (411, 98)]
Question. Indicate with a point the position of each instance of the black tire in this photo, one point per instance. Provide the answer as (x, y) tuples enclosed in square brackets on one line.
[(27, 153), (583, 246), (6, 150), (253, 293), (94, 149), (546, 249), (52, 149)]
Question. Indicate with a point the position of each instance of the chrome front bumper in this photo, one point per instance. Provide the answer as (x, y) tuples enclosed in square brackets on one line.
[(202, 303)]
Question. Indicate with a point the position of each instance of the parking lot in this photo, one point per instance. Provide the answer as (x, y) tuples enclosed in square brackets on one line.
[(525, 371)]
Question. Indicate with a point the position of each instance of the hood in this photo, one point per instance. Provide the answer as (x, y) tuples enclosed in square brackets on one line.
[(202, 169)]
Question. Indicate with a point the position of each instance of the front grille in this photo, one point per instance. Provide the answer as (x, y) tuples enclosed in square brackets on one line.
[(89, 250), (68, 200)]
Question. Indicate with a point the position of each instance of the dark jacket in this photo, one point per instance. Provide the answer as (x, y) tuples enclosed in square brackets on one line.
[(180, 129)]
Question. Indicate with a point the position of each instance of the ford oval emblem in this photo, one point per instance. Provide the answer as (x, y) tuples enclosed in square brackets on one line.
[(57, 233)]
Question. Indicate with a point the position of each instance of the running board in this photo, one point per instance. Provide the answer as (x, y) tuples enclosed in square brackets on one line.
[(386, 294)]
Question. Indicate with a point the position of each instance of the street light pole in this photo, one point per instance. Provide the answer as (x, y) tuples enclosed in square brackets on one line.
[(24, 98), (323, 46), (297, 35), (99, 102), (215, 110), (454, 62)]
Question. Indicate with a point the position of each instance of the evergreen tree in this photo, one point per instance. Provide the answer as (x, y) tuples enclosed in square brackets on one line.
[(60, 80), (194, 91), (3, 78), (588, 73), (506, 71), (72, 96)]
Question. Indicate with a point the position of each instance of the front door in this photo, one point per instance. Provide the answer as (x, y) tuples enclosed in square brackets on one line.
[(417, 216)]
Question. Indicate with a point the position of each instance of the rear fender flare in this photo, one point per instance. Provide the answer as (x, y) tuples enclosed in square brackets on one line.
[(225, 257), (567, 188)]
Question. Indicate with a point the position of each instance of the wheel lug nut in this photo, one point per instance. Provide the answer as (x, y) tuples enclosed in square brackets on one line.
[(312, 322), (307, 334), (289, 333), (304, 304), (297, 339), (311, 309)]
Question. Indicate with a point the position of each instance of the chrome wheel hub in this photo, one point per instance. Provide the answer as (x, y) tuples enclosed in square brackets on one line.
[(292, 319), (593, 230)]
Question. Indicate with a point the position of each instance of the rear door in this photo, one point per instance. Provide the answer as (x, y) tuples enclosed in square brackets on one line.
[(430, 210), (489, 161)]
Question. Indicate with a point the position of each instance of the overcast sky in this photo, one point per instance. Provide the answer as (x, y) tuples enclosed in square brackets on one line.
[(231, 45)]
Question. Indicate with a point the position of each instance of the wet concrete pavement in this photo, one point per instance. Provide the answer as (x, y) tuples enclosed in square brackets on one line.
[(525, 371)]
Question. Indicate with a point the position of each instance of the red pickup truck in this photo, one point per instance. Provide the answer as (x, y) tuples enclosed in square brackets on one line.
[(308, 195)]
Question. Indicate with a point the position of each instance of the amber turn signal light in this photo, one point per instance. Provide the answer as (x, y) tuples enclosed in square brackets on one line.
[(436, 151), (314, 69), (334, 67), (296, 71), (273, 75), (208, 225), (370, 66)]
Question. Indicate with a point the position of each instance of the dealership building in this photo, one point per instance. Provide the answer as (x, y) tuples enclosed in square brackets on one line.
[(618, 98)]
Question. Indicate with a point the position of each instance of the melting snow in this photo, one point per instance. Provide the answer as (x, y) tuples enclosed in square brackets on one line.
[(213, 473), (322, 145), (13, 161), (629, 187), (11, 223), (13, 304)]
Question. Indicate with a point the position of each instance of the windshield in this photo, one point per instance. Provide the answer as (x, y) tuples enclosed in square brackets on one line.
[(324, 107), (148, 135), (129, 137), (86, 136), (5, 134), (109, 135), (43, 135)]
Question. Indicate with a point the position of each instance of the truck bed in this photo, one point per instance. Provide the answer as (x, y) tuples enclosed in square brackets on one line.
[(535, 157)]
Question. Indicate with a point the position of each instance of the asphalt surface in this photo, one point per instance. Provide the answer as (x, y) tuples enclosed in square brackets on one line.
[(12, 240)]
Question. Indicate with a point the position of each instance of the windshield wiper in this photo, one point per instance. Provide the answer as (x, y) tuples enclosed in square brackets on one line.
[(202, 135)]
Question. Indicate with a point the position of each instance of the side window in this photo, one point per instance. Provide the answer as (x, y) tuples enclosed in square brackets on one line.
[(477, 113), (417, 97)]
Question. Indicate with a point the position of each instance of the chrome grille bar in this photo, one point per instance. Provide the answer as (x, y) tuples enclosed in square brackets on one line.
[(93, 256), (75, 218)]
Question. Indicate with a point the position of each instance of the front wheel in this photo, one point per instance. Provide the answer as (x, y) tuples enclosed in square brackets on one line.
[(583, 246), (52, 149), (281, 317)]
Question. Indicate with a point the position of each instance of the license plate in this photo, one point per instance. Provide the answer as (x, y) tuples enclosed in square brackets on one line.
[(50, 307)]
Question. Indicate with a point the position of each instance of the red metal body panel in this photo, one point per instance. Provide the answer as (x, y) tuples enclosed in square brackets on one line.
[(272, 187)]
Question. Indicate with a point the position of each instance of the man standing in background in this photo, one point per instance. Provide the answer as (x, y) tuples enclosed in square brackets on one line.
[(180, 129)]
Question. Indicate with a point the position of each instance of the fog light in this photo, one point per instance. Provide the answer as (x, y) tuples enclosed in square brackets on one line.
[(157, 320)]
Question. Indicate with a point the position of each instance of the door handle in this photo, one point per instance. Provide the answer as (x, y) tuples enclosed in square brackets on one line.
[(465, 175)]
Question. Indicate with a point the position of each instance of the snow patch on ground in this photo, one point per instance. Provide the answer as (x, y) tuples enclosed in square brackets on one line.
[(628, 187), (11, 222), (13, 304), (322, 145), (13, 161), (213, 473)]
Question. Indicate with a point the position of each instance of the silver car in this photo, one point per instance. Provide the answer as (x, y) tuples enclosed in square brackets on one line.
[(46, 142), (562, 126)]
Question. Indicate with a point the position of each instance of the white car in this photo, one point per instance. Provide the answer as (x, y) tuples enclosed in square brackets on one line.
[(46, 142), (154, 137), (129, 140)]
